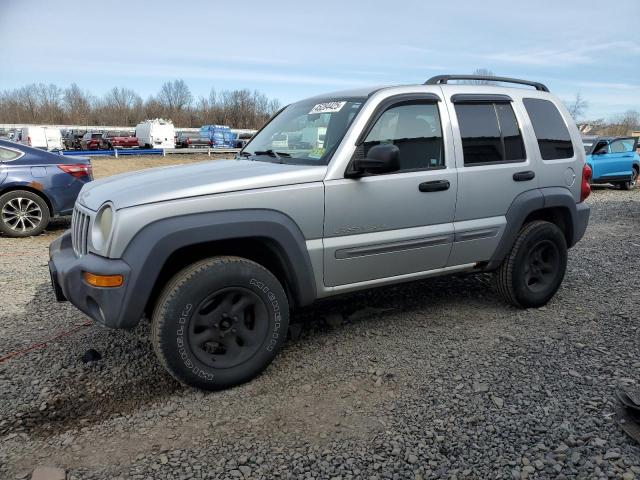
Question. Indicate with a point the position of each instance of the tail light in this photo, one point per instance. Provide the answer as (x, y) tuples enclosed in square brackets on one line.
[(78, 170), (188, 140), (585, 188), (29, 141)]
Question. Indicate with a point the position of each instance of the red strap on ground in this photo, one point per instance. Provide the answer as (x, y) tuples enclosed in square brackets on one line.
[(43, 344)]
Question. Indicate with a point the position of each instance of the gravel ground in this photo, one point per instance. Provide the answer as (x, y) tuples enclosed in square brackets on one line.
[(434, 379)]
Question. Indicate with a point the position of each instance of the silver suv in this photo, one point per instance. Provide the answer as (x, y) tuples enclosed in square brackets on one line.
[(336, 193)]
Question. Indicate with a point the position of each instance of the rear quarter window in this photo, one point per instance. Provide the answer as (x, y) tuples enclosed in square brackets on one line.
[(551, 132), (7, 154)]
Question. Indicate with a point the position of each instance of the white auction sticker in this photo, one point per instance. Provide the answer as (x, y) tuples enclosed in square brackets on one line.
[(327, 107)]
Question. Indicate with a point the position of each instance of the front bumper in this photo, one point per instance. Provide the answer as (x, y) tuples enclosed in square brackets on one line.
[(104, 305)]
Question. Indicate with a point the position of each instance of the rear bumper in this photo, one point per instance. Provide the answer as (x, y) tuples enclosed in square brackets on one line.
[(580, 222), (104, 305)]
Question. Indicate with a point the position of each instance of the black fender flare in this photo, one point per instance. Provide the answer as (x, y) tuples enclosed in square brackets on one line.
[(150, 248), (532, 200)]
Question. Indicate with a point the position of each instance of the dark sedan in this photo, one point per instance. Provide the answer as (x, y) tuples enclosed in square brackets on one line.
[(192, 139), (36, 186)]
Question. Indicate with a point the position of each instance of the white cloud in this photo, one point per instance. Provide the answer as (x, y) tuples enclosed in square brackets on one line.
[(580, 55)]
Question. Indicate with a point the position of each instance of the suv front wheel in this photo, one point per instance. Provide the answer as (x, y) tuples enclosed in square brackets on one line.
[(220, 322), (533, 271)]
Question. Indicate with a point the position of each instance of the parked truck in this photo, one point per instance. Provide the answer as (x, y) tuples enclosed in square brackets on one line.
[(156, 133)]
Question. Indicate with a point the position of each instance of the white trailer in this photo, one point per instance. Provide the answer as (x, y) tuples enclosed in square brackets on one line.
[(46, 138), (156, 133)]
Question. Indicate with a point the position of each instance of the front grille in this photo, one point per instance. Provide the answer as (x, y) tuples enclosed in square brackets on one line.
[(80, 231)]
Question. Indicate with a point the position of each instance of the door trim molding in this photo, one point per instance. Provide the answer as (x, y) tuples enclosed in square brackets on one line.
[(391, 247)]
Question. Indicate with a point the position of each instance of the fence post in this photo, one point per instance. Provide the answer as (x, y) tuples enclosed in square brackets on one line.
[(116, 152), (209, 151), (164, 152)]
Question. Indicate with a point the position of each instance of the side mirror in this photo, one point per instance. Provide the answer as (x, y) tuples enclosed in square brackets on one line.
[(383, 158)]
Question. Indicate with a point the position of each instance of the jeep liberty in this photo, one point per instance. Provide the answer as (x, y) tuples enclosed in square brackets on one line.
[(398, 184)]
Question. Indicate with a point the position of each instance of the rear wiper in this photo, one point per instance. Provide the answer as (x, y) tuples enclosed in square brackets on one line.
[(245, 154)]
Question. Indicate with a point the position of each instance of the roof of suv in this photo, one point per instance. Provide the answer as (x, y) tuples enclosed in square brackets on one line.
[(441, 80)]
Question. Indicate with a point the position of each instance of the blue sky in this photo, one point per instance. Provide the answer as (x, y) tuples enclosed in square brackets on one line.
[(293, 49)]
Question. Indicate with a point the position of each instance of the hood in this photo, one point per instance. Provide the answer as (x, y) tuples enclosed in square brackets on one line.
[(182, 181)]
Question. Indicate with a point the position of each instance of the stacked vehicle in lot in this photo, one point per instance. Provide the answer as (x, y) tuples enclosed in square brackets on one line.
[(91, 141), (406, 182), (192, 139), (118, 139)]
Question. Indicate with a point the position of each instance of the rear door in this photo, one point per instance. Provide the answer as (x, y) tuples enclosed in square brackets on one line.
[(554, 136), (7, 155), (494, 167)]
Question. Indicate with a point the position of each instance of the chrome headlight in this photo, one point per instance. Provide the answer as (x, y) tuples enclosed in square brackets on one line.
[(102, 227)]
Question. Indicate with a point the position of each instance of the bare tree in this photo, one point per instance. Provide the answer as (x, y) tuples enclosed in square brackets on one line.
[(39, 103), (77, 105), (481, 72), (623, 124), (176, 98), (577, 106), (121, 106)]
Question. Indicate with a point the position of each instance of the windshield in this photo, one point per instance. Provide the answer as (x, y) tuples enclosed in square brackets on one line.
[(305, 132)]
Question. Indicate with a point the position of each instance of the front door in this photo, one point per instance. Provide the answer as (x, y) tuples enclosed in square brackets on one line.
[(621, 157), (381, 226)]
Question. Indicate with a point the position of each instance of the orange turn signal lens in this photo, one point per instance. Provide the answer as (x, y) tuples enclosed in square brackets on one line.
[(103, 280)]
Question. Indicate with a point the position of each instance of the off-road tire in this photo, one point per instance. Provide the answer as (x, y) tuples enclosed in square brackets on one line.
[(31, 203), (512, 278), (181, 311)]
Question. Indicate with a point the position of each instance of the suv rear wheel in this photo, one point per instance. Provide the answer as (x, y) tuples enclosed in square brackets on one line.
[(220, 322), (533, 271), (23, 214)]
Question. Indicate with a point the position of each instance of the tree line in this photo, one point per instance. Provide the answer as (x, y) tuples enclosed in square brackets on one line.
[(50, 104), (616, 125)]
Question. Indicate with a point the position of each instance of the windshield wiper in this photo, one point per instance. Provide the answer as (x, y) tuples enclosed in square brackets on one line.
[(245, 154), (271, 153)]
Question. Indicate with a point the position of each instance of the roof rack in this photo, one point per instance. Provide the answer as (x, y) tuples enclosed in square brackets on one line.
[(440, 79)]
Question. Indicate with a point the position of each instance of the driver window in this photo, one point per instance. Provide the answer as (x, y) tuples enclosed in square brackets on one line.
[(416, 130), (602, 147)]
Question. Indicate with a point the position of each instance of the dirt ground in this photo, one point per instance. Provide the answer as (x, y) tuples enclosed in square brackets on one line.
[(107, 166)]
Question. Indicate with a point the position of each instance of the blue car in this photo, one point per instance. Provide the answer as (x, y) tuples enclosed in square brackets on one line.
[(36, 186), (613, 160)]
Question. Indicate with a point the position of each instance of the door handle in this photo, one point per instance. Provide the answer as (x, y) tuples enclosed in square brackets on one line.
[(435, 186), (524, 176)]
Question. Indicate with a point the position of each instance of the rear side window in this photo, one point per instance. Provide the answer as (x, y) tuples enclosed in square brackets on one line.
[(7, 155), (490, 133), (551, 131)]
